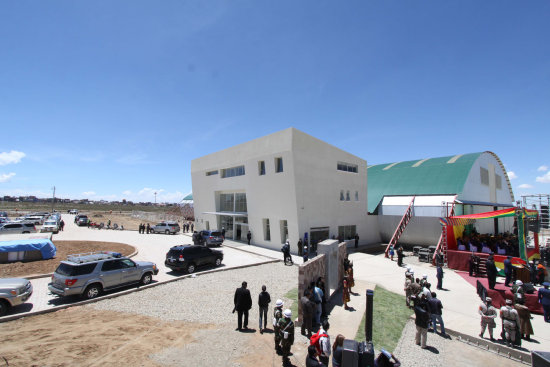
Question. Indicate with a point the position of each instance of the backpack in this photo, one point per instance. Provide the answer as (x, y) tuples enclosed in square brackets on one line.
[(315, 341)]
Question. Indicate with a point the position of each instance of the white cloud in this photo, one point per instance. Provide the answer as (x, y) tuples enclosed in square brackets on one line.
[(525, 186), (127, 192), (5, 177), (545, 178), (88, 193), (11, 157), (512, 175), (542, 168)]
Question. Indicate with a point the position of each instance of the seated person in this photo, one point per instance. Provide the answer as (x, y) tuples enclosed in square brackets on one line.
[(485, 248), (473, 248), (461, 246)]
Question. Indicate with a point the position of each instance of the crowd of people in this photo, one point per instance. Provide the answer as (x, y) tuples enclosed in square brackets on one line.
[(502, 244)]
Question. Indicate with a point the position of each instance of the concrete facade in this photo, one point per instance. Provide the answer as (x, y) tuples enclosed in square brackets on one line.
[(321, 190)]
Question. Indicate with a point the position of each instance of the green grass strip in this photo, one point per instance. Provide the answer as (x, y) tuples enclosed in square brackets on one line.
[(390, 315), (292, 295)]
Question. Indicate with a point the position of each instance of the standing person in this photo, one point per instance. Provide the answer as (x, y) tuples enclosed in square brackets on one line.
[(62, 225), (435, 306), (356, 240), (223, 233), (400, 256), (321, 284), (300, 247), (345, 292), (544, 299), (351, 279), (510, 322), (243, 303), (407, 287), (337, 350), (491, 271), (525, 327), (248, 237), (195, 238), (148, 228), (286, 333), (508, 270), (533, 272), (392, 252), (439, 277), (488, 315), (541, 273), (422, 322), (318, 297), (277, 315), (308, 307), (305, 255), (263, 304), (139, 228), (311, 359), (192, 226), (286, 253), (324, 343)]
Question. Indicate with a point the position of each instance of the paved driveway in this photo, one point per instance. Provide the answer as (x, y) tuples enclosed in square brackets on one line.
[(151, 247)]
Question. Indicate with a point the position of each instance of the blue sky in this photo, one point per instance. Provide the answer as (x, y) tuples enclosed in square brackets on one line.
[(113, 99)]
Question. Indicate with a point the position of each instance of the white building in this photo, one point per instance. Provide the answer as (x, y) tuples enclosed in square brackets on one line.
[(281, 186)]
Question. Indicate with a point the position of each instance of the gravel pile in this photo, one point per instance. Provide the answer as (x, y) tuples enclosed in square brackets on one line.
[(207, 298)]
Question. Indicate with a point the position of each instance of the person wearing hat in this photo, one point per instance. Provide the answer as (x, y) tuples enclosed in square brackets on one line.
[(544, 299), (525, 327), (286, 253), (286, 333), (407, 288), (277, 315), (424, 280), (510, 322), (488, 315), (518, 291)]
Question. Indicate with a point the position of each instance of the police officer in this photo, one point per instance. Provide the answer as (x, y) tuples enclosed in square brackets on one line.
[(510, 322), (277, 315), (488, 315), (286, 333)]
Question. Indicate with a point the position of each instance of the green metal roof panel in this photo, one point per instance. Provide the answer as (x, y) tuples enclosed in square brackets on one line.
[(430, 176), (188, 197)]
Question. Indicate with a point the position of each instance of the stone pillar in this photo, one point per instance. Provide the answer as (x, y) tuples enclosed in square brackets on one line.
[(330, 249)]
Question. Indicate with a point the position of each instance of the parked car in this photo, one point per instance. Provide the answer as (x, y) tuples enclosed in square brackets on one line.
[(88, 275), (21, 227), (72, 211), (36, 219), (188, 258), (13, 292), (50, 226), (166, 227), (211, 238), (3, 214), (82, 220)]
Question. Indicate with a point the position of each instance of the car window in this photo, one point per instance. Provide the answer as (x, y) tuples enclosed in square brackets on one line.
[(216, 234), (72, 270), (30, 225), (193, 250), (127, 263), (111, 265)]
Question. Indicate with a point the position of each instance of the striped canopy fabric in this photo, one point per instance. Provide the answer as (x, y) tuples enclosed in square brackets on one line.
[(462, 220)]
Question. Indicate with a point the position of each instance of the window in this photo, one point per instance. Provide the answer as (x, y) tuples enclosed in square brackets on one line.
[(347, 196), (484, 173), (341, 195), (346, 232), (284, 230), (498, 182), (227, 202), (240, 202), (278, 164), (346, 167), (233, 171), (211, 173), (267, 233), (356, 195), (261, 168)]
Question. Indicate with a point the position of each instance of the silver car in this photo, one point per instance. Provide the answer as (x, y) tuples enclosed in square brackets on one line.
[(22, 227), (166, 227), (13, 292), (88, 275), (51, 225)]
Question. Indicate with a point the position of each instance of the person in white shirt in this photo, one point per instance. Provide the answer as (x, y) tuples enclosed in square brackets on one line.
[(324, 343)]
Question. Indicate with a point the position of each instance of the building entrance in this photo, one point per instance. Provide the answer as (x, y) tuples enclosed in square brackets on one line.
[(226, 222), (318, 234)]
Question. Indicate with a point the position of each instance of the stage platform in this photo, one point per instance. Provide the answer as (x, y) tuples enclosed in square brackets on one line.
[(501, 293)]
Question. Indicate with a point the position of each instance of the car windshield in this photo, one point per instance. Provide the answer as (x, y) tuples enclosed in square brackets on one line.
[(216, 234), (50, 223)]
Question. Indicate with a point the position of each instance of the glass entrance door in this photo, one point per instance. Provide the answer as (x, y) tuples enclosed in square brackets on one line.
[(226, 222)]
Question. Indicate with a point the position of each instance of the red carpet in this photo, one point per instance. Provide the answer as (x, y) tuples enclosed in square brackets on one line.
[(501, 293)]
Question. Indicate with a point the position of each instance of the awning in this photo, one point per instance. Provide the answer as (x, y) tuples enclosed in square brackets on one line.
[(230, 214), (483, 203), (461, 220), (420, 200)]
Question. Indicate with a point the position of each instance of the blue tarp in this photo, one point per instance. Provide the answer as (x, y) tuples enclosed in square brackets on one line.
[(46, 247)]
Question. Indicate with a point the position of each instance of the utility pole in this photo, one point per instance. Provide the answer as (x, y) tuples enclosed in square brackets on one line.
[(53, 198), (155, 198)]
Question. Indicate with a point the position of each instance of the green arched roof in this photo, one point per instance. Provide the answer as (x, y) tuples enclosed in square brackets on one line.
[(432, 176), (189, 197)]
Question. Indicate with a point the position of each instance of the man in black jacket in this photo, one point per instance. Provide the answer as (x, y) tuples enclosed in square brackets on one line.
[(308, 307), (243, 303), (263, 303), (422, 322), (491, 272), (508, 270)]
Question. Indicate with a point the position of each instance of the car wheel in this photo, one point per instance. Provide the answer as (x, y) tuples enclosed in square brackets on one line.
[(26, 232), (92, 291), (4, 307), (218, 261), (167, 232), (146, 279), (191, 268)]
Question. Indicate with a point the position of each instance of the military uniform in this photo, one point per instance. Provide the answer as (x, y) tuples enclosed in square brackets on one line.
[(277, 316), (510, 322), (286, 326), (408, 291), (488, 315)]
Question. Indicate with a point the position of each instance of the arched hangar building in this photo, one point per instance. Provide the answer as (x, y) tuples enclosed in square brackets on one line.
[(471, 183)]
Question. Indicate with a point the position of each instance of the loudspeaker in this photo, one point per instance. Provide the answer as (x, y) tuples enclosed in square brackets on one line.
[(350, 353), (366, 354), (544, 216), (540, 359)]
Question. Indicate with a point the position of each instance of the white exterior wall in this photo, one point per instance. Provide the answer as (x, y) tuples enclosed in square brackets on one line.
[(306, 193)]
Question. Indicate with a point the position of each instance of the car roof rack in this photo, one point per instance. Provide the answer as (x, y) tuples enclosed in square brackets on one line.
[(87, 257)]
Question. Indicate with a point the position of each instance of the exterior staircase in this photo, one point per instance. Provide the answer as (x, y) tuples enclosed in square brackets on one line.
[(401, 227)]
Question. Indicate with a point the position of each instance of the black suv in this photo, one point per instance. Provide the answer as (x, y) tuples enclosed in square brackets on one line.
[(189, 258)]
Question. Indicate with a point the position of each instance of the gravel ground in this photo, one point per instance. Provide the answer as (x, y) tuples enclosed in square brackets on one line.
[(207, 298), (410, 354)]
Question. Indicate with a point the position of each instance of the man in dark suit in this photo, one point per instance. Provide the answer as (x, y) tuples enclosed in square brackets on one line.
[(491, 271), (243, 303), (508, 270)]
